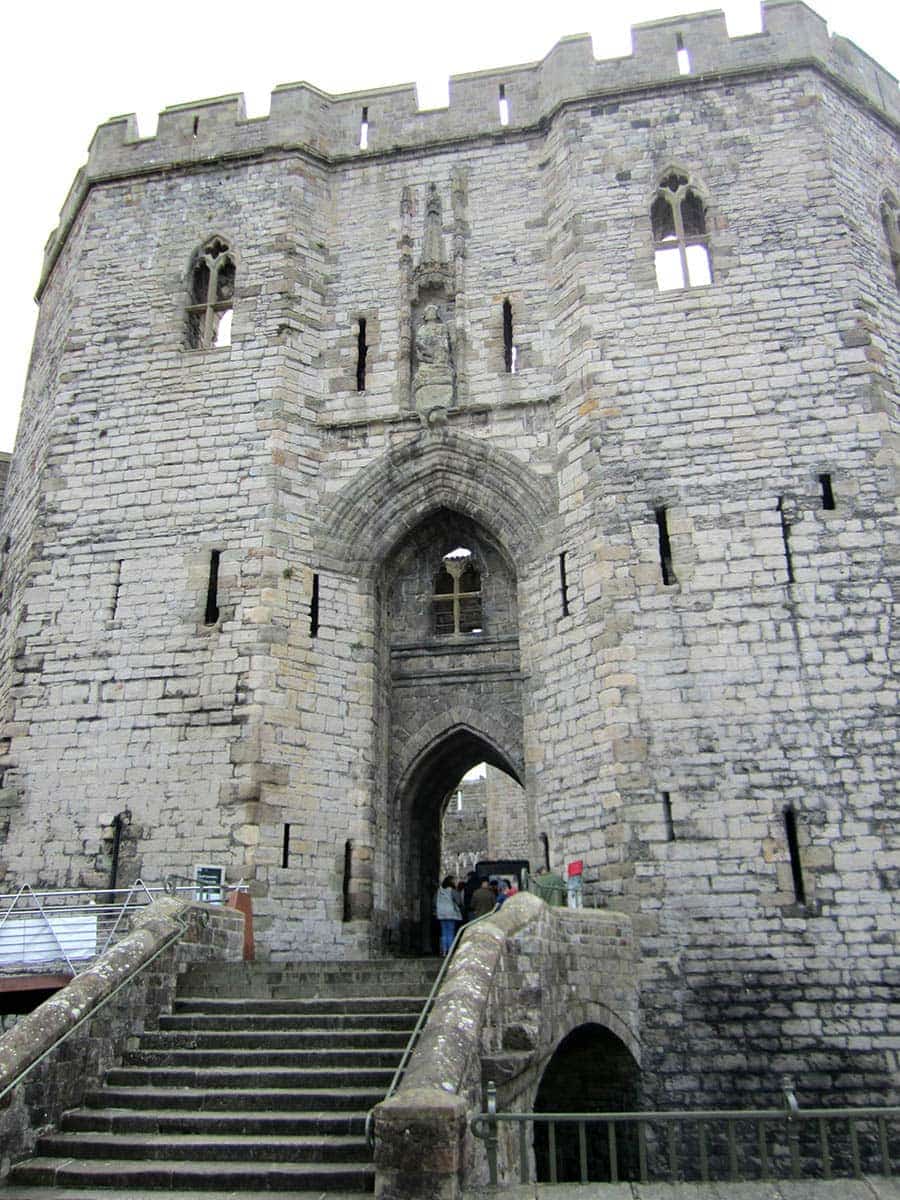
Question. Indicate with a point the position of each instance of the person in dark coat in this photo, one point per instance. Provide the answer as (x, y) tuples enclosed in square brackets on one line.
[(483, 900)]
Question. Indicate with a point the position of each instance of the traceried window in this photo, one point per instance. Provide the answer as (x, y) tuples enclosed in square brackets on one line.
[(212, 296), (678, 217), (890, 218), (457, 595)]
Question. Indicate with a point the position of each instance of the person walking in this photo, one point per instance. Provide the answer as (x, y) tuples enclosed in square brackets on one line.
[(446, 910), (550, 887), (483, 900)]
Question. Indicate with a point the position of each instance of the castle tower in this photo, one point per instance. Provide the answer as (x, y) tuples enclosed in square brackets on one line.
[(562, 443)]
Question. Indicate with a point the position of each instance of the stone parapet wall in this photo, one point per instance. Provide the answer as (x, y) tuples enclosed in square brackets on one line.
[(327, 126), (72, 1068), (519, 982)]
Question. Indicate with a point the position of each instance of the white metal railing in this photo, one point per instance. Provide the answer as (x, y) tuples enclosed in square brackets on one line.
[(71, 928)]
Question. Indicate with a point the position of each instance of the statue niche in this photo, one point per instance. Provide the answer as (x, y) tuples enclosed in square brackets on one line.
[(432, 305), (433, 378)]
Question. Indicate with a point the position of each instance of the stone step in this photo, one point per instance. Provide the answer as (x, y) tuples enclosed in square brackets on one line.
[(257, 1085), (194, 1148), (312, 1058), (383, 977), (213, 1099), (315, 1057), (166, 1120), (265, 1077), (217, 1176), (266, 1006), (89, 1193), (402, 1022), (274, 1041)]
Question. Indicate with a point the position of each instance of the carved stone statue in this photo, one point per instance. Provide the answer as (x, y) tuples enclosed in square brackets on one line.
[(433, 242), (433, 380)]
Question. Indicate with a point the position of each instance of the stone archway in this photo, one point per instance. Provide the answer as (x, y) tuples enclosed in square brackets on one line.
[(389, 533), (366, 519), (591, 1070), (419, 803), (452, 696)]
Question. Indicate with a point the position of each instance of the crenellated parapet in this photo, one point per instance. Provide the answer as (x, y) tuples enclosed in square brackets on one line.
[(328, 126)]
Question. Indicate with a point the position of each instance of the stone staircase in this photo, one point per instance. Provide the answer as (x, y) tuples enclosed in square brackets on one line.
[(257, 1084)]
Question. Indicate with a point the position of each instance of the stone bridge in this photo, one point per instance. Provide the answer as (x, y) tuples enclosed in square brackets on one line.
[(520, 982)]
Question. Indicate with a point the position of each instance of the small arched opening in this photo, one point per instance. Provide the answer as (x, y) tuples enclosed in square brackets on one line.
[(427, 794), (591, 1070)]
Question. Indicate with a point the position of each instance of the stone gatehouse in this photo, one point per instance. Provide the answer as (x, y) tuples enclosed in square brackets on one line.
[(362, 445)]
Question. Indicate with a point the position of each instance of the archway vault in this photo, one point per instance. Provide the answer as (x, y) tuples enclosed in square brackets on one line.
[(434, 471), (458, 739), (434, 761)]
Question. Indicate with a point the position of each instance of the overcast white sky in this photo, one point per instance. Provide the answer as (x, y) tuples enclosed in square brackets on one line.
[(69, 66)]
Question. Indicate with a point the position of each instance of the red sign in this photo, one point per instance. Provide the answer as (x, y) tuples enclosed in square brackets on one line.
[(576, 867)]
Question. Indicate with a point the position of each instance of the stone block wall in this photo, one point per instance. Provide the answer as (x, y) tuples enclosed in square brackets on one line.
[(464, 831)]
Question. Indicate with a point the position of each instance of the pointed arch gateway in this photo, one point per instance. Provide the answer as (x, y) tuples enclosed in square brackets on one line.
[(448, 747), (447, 470), (450, 694)]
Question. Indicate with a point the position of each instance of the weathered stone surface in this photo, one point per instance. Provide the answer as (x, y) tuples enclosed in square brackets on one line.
[(518, 982)]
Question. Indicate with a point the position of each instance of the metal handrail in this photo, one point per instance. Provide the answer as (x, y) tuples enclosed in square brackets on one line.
[(420, 1023), (77, 925), (486, 1125), (89, 1016), (151, 890)]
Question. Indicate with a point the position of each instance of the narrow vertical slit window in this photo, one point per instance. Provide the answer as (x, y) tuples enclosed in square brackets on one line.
[(827, 492), (665, 547), (682, 56), (509, 349), (667, 817), (348, 875), (3, 563), (117, 583), (286, 846), (314, 608), (563, 584), (503, 105), (364, 129), (786, 539), (196, 128), (362, 350), (212, 589), (790, 829), (545, 842)]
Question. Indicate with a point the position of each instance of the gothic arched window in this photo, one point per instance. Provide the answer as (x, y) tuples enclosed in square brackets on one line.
[(678, 217), (457, 595), (890, 219), (211, 296)]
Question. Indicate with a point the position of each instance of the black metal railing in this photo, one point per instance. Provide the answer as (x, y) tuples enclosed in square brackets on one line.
[(675, 1146)]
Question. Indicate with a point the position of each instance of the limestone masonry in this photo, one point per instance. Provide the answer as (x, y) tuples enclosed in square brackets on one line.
[(556, 429)]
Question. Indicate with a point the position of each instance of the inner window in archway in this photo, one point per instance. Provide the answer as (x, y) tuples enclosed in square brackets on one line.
[(457, 595)]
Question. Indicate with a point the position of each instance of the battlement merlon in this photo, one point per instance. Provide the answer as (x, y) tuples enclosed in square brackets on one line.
[(302, 116)]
